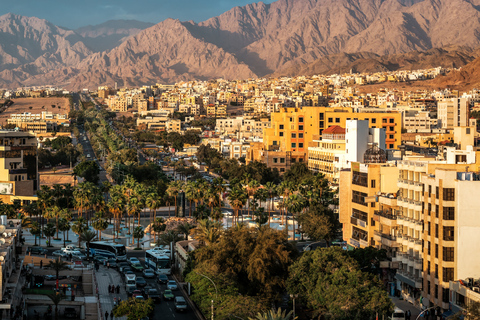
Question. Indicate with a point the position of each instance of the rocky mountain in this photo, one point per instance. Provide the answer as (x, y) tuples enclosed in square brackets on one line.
[(286, 37), (110, 34)]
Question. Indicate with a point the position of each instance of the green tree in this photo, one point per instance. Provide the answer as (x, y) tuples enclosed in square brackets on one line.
[(79, 227), (88, 170), (138, 234), (470, 312), (99, 224), (63, 225), (56, 299), (158, 226), (134, 309), (167, 237), (87, 236), (57, 265), (331, 284), (185, 228), (207, 231), (35, 230), (49, 231), (279, 314)]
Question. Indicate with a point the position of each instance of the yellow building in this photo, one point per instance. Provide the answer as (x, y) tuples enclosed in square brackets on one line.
[(18, 166), (292, 129)]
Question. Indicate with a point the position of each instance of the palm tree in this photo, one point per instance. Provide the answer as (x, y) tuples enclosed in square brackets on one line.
[(54, 212), (167, 237), (208, 231), (190, 192), (159, 226), (79, 227), (295, 204), (251, 187), (56, 299), (173, 190), (49, 231), (271, 189), (185, 229), (279, 314), (116, 205), (153, 202), (63, 225), (87, 236), (237, 198), (57, 265), (45, 200), (35, 230), (99, 224), (138, 234)]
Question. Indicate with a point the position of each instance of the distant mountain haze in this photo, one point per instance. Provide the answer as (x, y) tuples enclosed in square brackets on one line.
[(286, 37)]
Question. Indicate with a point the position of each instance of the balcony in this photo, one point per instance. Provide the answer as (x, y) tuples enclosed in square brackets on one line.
[(418, 264), (358, 222), (386, 217)]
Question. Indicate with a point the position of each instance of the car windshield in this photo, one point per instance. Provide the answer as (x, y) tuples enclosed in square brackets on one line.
[(153, 291), (140, 279)]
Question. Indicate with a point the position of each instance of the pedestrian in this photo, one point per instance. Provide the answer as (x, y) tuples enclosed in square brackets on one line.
[(111, 314), (106, 315), (41, 264), (109, 289), (118, 288), (408, 314), (427, 315)]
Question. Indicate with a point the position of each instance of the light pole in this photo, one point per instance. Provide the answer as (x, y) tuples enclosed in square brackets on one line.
[(293, 296), (216, 291), (423, 312)]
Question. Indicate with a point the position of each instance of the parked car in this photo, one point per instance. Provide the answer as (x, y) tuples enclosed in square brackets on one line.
[(148, 273), (168, 295), (162, 278), (180, 304), (37, 250), (154, 295), (59, 253), (141, 282), (77, 255), (172, 285)]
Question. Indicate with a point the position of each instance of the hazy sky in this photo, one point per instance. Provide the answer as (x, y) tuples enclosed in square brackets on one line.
[(78, 13)]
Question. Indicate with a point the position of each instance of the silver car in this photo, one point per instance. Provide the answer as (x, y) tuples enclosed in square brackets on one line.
[(172, 285)]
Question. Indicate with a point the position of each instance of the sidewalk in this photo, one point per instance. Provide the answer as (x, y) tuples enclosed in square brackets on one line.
[(405, 305), (104, 278)]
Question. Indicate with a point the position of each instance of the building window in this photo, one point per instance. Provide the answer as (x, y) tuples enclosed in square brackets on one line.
[(447, 274), (390, 136), (282, 160), (448, 234), (448, 213), (436, 250), (274, 143), (428, 228), (300, 128), (392, 120), (294, 135), (359, 197), (281, 134), (280, 127), (360, 178), (436, 271), (445, 295), (275, 160), (391, 145), (428, 287), (322, 124), (300, 135), (282, 169), (448, 254), (392, 129), (448, 194), (374, 120), (429, 209), (468, 131), (291, 119), (436, 291), (437, 209), (437, 191), (428, 267), (360, 215), (322, 115), (330, 119), (429, 191), (300, 144), (372, 183), (294, 145), (337, 120), (428, 247), (300, 119), (436, 231)]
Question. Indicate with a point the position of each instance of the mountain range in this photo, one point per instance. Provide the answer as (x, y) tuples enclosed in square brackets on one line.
[(286, 37)]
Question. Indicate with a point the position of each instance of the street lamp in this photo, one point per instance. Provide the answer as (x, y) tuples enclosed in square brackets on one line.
[(216, 291), (294, 296)]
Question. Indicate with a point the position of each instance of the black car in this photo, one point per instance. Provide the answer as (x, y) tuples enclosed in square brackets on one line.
[(154, 295), (37, 250), (162, 278), (112, 263), (141, 282)]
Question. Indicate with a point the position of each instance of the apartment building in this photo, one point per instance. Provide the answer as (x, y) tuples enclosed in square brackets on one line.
[(358, 192), (453, 112), (18, 166), (339, 147), (452, 231), (419, 122)]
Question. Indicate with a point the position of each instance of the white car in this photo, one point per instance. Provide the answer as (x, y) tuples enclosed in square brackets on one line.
[(172, 285), (148, 273), (133, 261)]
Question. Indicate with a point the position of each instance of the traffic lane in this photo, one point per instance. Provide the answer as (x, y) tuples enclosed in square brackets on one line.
[(166, 309)]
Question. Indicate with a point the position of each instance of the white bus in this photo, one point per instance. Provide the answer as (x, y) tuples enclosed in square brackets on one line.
[(108, 249), (158, 261)]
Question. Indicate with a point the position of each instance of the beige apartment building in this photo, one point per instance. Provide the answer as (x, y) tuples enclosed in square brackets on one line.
[(453, 112)]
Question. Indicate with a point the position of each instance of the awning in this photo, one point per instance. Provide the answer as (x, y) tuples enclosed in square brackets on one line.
[(402, 278), (448, 314)]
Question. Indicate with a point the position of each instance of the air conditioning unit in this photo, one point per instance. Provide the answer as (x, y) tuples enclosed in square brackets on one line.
[(476, 289)]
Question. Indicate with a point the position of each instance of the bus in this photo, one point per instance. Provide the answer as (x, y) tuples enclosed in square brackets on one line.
[(108, 249), (158, 261)]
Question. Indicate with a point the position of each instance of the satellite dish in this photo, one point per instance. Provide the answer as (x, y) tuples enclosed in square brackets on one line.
[(2, 228), (2, 241), (9, 234), (4, 234), (2, 258)]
